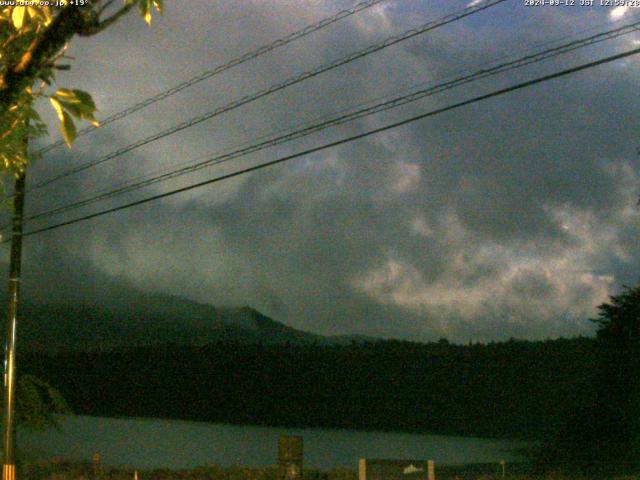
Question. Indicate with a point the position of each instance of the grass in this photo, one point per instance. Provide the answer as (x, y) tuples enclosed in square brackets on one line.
[(67, 470), (73, 470)]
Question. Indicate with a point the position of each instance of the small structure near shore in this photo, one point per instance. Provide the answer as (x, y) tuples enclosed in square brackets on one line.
[(378, 469)]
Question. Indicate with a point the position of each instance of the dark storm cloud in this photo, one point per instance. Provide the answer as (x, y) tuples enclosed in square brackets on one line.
[(512, 217)]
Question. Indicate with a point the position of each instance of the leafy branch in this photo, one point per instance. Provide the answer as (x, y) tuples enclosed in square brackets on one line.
[(33, 41)]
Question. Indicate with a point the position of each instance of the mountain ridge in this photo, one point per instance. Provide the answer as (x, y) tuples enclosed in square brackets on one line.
[(155, 319)]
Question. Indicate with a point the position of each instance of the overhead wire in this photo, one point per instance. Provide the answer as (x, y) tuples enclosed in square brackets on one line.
[(370, 110), (342, 141), (369, 102), (281, 42), (390, 41)]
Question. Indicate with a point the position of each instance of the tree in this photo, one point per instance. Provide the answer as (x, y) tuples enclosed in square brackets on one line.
[(619, 377), (38, 403), (604, 435), (33, 39)]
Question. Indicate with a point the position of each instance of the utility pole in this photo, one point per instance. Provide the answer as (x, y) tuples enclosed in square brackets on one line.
[(9, 420)]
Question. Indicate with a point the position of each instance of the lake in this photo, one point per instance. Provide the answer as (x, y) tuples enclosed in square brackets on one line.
[(155, 443)]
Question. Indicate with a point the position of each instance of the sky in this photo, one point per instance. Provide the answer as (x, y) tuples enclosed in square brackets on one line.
[(512, 217)]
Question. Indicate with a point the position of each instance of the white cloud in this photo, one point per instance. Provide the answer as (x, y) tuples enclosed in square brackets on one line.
[(375, 20), (526, 282), (407, 177), (619, 12), (307, 229), (421, 226)]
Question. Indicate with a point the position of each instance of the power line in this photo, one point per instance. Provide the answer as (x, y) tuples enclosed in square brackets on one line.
[(342, 141), (313, 128), (277, 87), (198, 162), (281, 42)]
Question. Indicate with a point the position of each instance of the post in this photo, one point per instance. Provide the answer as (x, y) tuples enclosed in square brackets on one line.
[(289, 457), (503, 464), (362, 469), (9, 421), (96, 460), (431, 471)]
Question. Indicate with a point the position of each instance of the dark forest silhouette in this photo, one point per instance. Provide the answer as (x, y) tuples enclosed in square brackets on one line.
[(605, 434), (511, 389)]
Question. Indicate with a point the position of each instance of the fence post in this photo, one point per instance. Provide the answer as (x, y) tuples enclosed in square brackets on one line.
[(431, 470), (95, 460), (362, 469), (289, 457)]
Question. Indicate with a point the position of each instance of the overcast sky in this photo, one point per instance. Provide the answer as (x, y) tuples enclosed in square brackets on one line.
[(514, 216)]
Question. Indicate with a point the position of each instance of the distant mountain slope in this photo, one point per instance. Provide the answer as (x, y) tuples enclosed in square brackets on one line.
[(147, 320)]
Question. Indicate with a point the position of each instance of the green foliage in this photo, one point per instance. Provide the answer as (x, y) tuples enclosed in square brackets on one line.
[(144, 7), (22, 123), (76, 103), (38, 403), (33, 40)]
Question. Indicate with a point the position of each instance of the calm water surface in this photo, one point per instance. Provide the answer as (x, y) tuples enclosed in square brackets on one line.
[(153, 443)]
